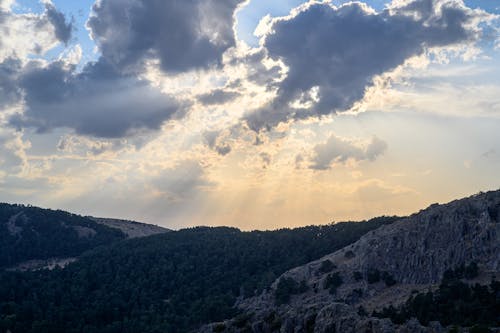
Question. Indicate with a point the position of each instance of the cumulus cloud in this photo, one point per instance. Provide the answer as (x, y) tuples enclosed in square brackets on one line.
[(181, 35), (97, 102), (62, 28), (24, 34), (217, 96), (215, 141), (339, 150), (10, 93), (182, 181), (107, 99), (333, 53)]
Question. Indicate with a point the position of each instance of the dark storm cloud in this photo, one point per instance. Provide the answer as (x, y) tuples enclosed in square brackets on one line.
[(182, 35), (106, 99), (62, 28), (338, 51), (217, 96), (339, 150), (10, 93), (97, 102)]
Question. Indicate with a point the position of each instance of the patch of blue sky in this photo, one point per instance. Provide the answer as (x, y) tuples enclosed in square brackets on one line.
[(249, 16), (491, 6), (248, 19), (76, 11)]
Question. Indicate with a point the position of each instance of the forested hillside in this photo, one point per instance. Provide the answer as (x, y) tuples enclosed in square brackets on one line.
[(435, 271), (28, 233), (171, 282)]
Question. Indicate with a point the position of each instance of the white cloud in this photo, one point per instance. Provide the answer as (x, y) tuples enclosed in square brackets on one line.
[(340, 50), (340, 150)]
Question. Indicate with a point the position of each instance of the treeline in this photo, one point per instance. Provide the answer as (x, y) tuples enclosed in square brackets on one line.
[(28, 233), (455, 302), (172, 282)]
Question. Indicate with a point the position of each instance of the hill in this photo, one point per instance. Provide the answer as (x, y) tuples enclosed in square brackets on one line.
[(433, 269), (171, 282), (31, 235), (132, 229), (33, 238)]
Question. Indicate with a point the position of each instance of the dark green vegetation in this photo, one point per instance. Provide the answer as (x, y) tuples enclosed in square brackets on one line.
[(286, 288), (171, 282), (327, 266), (374, 276), (332, 282), (454, 303), (28, 233)]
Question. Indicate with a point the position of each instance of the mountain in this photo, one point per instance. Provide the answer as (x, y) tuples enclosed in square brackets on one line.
[(170, 282), (132, 229), (439, 266), (32, 237)]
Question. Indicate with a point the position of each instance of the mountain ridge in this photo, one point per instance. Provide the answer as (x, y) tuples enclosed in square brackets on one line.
[(170, 282), (37, 238), (383, 268)]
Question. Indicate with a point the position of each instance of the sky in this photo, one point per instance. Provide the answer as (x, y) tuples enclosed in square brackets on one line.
[(254, 114)]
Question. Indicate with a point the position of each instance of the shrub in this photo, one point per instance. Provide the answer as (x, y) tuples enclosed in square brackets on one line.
[(388, 279), (479, 329), (362, 312), (373, 276), (349, 254), (288, 287), (471, 271), (327, 266), (332, 282), (220, 327), (357, 276)]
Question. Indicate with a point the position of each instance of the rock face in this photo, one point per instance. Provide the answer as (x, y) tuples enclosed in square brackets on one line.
[(380, 269), (131, 228)]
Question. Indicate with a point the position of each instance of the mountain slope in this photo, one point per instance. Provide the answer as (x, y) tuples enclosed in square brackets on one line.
[(171, 282), (132, 229), (385, 267), (33, 238), (29, 233)]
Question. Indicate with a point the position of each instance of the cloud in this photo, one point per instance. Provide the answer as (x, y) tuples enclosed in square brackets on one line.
[(9, 90), (62, 28), (110, 98), (24, 34), (97, 102), (215, 141), (182, 181), (217, 96), (332, 54), (341, 150), (181, 35)]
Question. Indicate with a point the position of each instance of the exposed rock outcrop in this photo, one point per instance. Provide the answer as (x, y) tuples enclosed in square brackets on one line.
[(382, 268), (131, 228)]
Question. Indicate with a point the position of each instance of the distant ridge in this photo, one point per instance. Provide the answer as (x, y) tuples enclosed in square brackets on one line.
[(33, 238), (132, 229), (451, 249)]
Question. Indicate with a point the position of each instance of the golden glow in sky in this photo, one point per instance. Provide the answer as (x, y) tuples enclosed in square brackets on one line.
[(331, 112)]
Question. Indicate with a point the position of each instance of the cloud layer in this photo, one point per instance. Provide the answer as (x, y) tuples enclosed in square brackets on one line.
[(96, 102), (332, 54), (181, 35), (24, 34), (341, 150)]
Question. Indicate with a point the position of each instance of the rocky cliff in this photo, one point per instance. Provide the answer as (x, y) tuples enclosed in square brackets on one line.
[(337, 292), (132, 229)]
